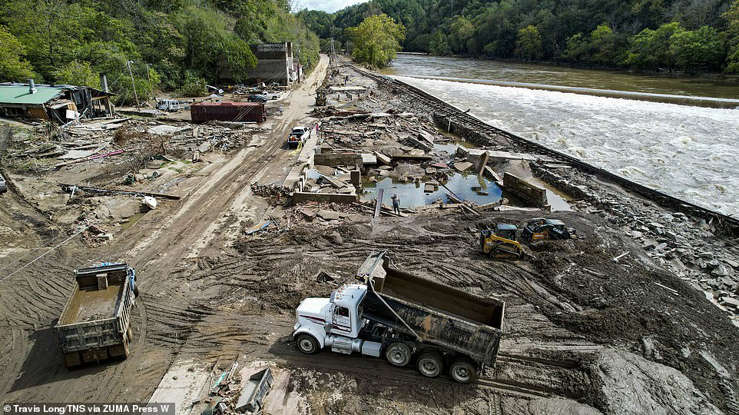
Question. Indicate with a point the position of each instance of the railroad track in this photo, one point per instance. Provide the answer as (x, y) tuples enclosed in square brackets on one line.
[(724, 222)]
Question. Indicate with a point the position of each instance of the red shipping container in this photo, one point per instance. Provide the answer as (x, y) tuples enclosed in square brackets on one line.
[(228, 111)]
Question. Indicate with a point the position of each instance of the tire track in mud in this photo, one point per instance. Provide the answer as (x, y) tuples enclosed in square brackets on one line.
[(360, 366)]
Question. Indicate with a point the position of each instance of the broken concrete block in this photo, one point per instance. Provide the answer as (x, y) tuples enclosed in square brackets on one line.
[(462, 166), (730, 302), (492, 175), (382, 159), (309, 214), (328, 214), (524, 190), (462, 152)]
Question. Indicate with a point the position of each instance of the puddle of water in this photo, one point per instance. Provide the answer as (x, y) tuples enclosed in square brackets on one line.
[(412, 194), (556, 199), (451, 146)]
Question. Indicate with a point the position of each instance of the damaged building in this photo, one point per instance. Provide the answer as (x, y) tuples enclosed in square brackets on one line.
[(275, 63), (58, 103)]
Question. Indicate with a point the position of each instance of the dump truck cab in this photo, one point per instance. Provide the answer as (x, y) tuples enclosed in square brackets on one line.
[(501, 242), (326, 318)]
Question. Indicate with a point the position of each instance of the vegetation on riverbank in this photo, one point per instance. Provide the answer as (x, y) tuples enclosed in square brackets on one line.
[(660, 35), (376, 40), (172, 44)]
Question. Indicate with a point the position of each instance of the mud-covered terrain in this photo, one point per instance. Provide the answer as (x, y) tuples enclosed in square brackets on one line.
[(604, 323)]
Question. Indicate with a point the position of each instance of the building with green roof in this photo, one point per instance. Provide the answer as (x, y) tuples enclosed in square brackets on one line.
[(60, 103)]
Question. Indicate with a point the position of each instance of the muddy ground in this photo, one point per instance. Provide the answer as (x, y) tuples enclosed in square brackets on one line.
[(583, 334)]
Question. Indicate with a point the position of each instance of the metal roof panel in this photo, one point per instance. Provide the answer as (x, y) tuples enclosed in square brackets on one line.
[(18, 94)]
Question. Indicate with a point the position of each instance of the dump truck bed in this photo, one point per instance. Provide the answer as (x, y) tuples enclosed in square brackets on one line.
[(97, 313), (91, 305), (438, 314)]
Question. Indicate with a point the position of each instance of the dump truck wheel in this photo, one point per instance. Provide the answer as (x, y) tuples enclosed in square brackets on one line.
[(129, 335), (136, 291), (307, 343), (462, 371), (430, 364), (398, 354), (125, 349)]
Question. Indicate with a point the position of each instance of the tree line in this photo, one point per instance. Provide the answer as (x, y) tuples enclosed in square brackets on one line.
[(657, 35), (168, 44)]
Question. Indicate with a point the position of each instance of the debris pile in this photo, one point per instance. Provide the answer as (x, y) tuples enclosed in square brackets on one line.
[(270, 191)]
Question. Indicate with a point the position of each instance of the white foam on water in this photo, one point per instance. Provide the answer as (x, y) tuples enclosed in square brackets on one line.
[(688, 152)]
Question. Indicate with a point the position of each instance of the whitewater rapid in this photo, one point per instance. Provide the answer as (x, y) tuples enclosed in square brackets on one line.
[(687, 152)]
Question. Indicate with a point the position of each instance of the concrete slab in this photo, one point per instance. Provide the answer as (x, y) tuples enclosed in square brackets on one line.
[(183, 385), (462, 166), (369, 159)]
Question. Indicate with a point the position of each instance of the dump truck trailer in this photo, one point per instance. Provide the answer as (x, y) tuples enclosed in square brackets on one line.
[(95, 323), (406, 319)]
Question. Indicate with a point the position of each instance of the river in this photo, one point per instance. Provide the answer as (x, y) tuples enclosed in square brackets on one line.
[(686, 151)]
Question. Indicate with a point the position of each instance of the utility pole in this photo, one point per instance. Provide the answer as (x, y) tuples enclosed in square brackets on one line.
[(133, 83)]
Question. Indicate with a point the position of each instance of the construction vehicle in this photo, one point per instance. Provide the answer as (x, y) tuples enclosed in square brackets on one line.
[(95, 323), (3, 186), (406, 319), (501, 242), (541, 229)]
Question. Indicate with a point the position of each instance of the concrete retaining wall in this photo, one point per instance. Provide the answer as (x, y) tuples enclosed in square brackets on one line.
[(527, 192)]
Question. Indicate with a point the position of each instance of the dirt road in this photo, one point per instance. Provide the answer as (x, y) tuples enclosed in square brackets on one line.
[(163, 247)]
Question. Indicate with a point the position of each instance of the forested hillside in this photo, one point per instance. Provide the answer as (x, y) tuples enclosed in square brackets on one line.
[(172, 44), (668, 35)]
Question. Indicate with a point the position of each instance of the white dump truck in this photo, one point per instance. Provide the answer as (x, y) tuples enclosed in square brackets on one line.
[(405, 319)]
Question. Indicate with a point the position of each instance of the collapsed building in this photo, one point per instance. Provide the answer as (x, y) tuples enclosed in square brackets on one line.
[(59, 103), (275, 63)]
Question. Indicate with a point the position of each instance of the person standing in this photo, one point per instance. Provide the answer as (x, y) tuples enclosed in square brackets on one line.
[(396, 204)]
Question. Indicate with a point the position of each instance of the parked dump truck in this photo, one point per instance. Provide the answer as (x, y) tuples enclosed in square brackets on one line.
[(404, 318), (95, 323)]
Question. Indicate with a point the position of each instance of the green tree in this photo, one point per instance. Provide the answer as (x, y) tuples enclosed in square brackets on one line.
[(578, 48), (77, 73), (210, 49), (651, 48), (12, 64), (606, 46), (528, 43), (376, 40), (695, 50), (732, 38), (438, 44), (461, 31)]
